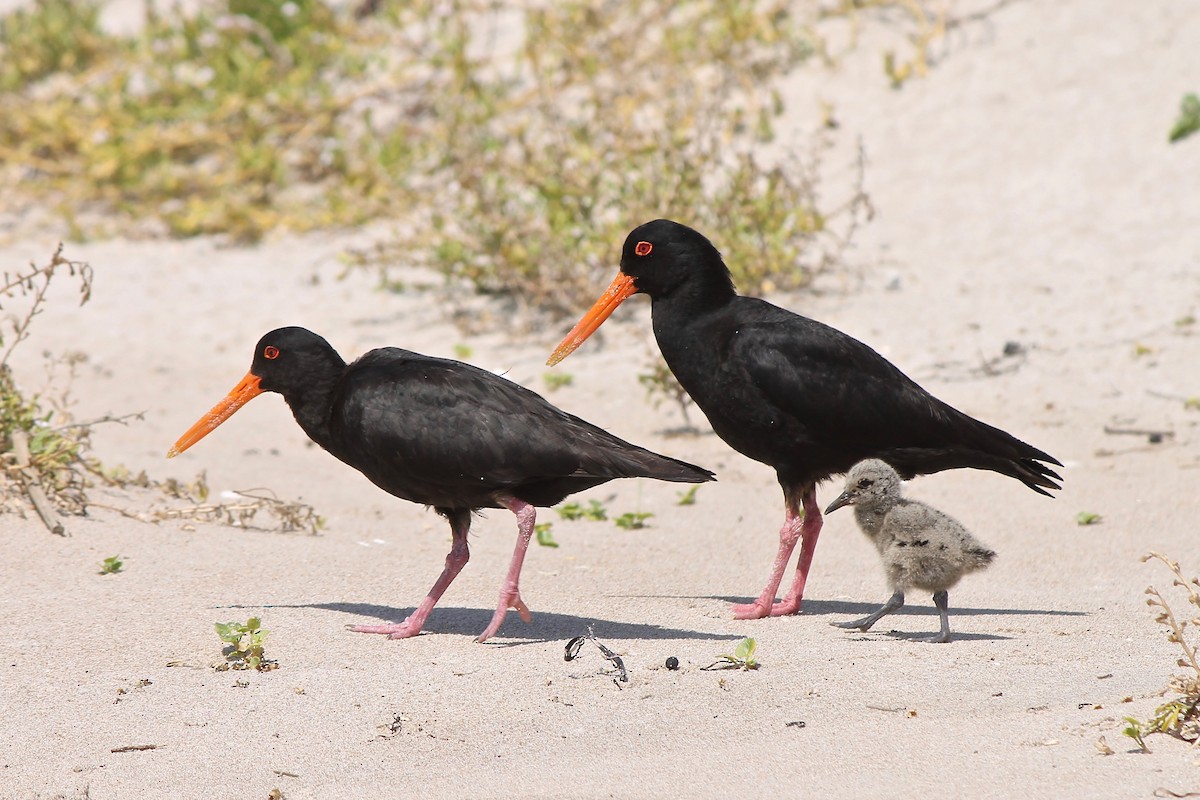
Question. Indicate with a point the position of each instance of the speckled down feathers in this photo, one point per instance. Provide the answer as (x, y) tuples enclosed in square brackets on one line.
[(921, 547)]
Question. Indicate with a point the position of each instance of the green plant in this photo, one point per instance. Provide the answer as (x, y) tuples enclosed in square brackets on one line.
[(593, 511), (661, 385), (557, 380), (599, 121), (1088, 518), (687, 498), (111, 565), (1133, 729), (632, 520), (44, 451), (1189, 118), (49, 36), (544, 537), (741, 658), (463, 351), (244, 645), (1179, 717)]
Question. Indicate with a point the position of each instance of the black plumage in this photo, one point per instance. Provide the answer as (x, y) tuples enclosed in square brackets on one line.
[(791, 392), (442, 433)]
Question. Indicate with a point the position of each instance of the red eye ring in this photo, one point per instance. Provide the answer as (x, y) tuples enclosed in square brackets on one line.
[(271, 351), (642, 248)]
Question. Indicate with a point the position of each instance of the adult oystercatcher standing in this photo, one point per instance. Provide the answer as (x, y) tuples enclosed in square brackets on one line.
[(790, 392), (442, 433)]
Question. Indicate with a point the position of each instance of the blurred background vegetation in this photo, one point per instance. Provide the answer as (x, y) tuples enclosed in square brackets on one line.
[(512, 145)]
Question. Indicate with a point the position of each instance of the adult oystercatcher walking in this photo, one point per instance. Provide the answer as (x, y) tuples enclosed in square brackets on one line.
[(443, 433), (790, 392)]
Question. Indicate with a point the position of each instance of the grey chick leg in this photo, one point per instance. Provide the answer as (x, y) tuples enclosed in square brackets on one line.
[(941, 600), (894, 602)]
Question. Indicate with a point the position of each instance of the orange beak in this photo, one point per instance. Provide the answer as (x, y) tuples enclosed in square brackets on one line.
[(244, 392), (616, 293)]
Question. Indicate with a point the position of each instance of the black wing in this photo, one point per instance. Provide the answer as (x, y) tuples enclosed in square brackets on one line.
[(445, 433), (845, 402)]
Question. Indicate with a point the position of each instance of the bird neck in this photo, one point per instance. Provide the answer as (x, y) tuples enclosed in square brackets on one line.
[(312, 404), (870, 520), (690, 301), (311, 409)]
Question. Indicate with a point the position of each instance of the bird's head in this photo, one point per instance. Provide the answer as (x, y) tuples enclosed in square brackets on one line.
[(285, 361), (871, 484), (658, 259)]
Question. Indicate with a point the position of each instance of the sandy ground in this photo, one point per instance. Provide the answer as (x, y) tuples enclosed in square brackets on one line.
[(1026, 193)]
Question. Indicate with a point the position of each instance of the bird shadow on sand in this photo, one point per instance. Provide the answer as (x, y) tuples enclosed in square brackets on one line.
[(916, 636), (814, 608), (545, 627)]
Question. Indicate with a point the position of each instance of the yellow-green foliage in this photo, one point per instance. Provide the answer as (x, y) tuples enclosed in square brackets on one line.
[(518, 145), (1179, 717)]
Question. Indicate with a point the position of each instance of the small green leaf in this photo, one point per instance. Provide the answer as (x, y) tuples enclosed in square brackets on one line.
[(596, 511), (544, 537), (1134, 731), (745, 649), (687, 498), (229, 631), (570, 511), (1087, 518), (557, 380), (1189, 118), (633, 520)]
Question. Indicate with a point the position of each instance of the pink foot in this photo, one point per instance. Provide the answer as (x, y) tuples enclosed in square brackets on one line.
[(510, 595), (507, 600), (805, 527), (760, 608), (396, 630)]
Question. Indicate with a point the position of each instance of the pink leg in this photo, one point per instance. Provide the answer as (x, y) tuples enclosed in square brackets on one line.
[(809, 532), (796, 526), (510, 595), (460, 523)]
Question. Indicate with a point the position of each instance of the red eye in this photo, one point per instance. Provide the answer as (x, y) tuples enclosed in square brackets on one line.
[(643, 248), (270, 351)]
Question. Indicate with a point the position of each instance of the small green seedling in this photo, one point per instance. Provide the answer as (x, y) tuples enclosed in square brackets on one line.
[(1087, 518), (244, 645), (633, 520), (111, 565), (594, 511), (742, 657), (1134, 731), (557, 380), (544, 537), (1189, 118), (1179, 717), (687, 498), (462, 351)]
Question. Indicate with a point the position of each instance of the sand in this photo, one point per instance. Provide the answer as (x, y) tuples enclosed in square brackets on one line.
[(1025, 193)]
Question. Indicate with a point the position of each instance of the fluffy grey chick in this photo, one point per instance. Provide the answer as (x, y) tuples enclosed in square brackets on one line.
[(921, 547)]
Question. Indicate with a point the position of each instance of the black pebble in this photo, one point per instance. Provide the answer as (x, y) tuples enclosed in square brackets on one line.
[(672, 663)]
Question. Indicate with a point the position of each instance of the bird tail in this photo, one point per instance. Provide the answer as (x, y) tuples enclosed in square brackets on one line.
[(642, 463), (982, 446), (613, 457), (977, 557)]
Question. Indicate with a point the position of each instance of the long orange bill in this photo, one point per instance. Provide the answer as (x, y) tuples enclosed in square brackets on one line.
[(616, 293), (244, 392)]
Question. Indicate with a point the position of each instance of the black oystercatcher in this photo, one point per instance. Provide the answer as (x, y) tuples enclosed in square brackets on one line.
[(442, 433), (920, 546), (790, 392)]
